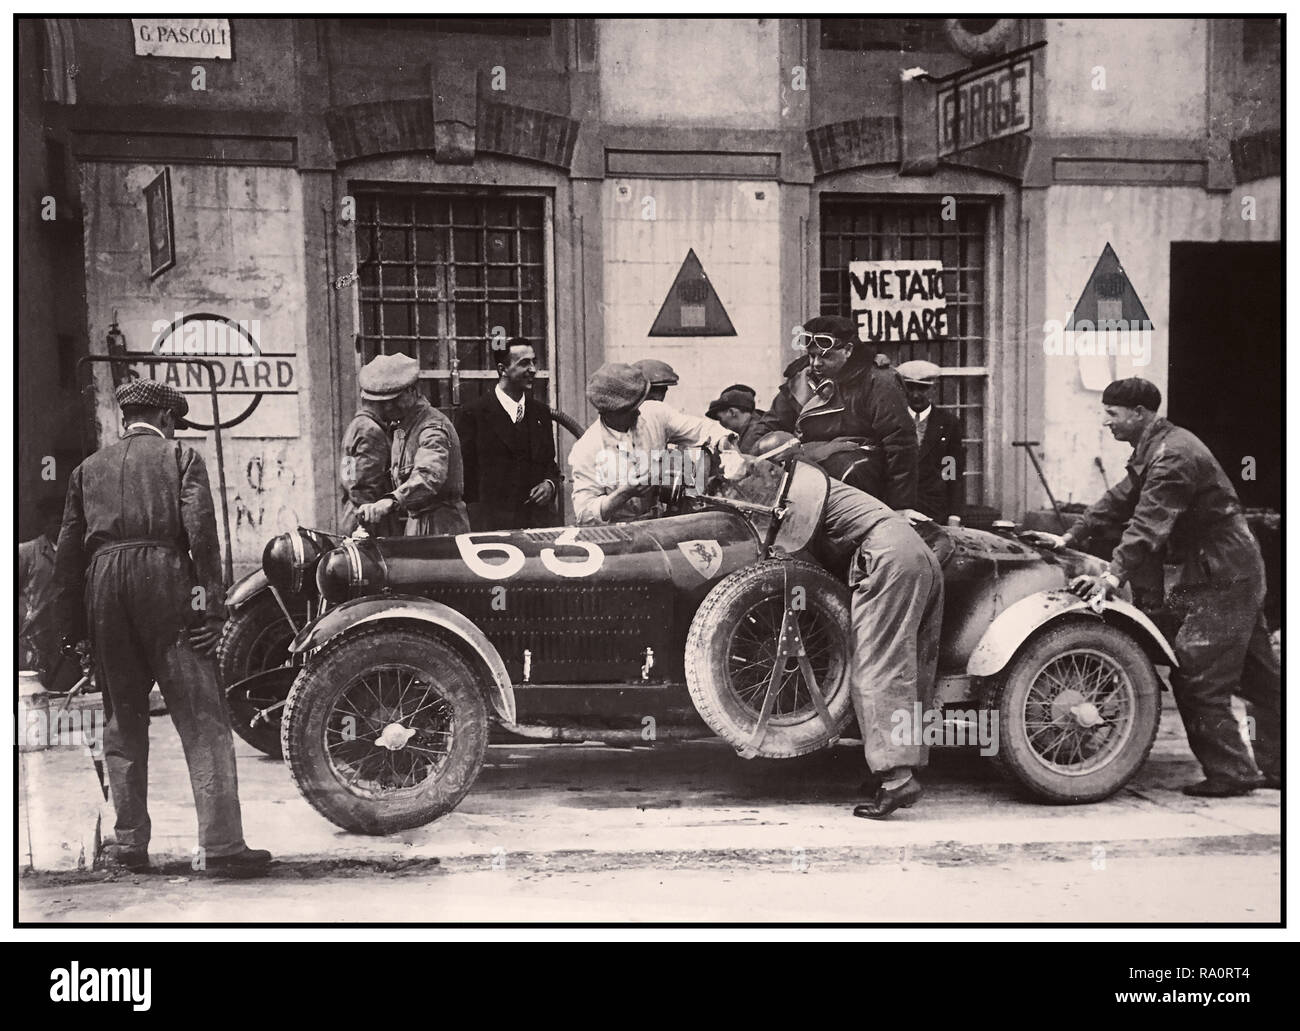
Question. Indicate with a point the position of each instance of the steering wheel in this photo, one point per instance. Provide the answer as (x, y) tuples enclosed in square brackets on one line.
[(685, 478)]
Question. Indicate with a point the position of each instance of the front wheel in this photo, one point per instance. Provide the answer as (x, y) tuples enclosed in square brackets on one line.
[(253, 641), (385, 729), (1078, 710)]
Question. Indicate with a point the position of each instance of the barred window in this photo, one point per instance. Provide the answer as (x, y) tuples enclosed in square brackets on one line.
[(859, 229), (439, 275), (527, 28)]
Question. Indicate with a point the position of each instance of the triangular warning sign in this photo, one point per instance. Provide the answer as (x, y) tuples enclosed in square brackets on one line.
[(1108, 298), (692, 307)]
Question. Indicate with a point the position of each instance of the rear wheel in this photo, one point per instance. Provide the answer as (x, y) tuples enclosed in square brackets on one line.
[(1078, 710), (256, 639), (385, 729), (732, 647)]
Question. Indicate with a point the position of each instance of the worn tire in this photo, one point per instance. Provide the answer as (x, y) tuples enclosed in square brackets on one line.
[(311, 712), (980, 46), (725, 654), (1033, 724), (255, 639)]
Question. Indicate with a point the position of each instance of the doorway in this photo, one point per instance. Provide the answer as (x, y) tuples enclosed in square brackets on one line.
[(1225, 359)]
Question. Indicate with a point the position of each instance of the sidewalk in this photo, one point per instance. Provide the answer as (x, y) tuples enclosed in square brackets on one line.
[(591, 805)]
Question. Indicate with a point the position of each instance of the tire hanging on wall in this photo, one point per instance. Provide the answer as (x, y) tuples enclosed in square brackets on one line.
[(977, 39)]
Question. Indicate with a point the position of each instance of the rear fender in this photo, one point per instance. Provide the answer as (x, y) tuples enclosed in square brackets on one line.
[(1020, 621), (406, 608)]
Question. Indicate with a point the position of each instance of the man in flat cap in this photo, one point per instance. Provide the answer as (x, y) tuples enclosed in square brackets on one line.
[(941, 457), (850, 415), (1177, 506), (735, 408), (613, 462), (659, 374), (425, 460), (138, 575)]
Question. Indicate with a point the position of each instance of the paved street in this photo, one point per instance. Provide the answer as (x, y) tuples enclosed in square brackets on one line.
[(691, 832)]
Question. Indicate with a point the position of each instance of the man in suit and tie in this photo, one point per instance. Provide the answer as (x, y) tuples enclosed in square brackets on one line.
[(511, 476), (941, 463)]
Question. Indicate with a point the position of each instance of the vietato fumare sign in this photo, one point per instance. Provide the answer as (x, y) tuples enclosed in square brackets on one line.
[(898, 301)]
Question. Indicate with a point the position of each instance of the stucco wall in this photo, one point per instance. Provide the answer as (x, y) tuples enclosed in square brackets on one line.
[(736, 236), (239, 239), (1140, 223), (1154, 77), (684, 71)]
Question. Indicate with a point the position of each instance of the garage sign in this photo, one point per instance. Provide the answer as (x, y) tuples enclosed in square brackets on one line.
[(986, 105)]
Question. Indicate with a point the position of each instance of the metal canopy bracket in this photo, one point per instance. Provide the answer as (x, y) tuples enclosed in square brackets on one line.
[(789, 645)]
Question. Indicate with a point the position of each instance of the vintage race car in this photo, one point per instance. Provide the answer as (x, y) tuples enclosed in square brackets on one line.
[(377, 666)]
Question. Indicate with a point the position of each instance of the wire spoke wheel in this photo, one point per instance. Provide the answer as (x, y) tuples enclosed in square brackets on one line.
[(385, 728), (1079, 711), (254, 640), (389, 730), (752, 653), (1078, 708)]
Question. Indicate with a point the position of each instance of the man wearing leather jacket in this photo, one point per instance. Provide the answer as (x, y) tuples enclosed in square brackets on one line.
[(851, 416)]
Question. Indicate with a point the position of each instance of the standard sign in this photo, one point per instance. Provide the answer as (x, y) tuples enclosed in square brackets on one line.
[(987, 105), (182, 37), (898, 301)]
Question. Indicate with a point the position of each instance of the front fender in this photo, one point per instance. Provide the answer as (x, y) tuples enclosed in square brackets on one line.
[(246, 590), (390, 607), (1019, 621)]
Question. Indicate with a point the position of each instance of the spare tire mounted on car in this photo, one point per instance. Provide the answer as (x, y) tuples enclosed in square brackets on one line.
[(783, 610)]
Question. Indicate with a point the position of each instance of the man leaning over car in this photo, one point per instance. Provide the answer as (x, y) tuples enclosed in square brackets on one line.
[(896, 612)]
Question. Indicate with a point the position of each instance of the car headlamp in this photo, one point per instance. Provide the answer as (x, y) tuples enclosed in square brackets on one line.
[(351, 570), (289, 560)]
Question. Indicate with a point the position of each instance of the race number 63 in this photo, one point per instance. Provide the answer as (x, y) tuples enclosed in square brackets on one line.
[(474, 554)]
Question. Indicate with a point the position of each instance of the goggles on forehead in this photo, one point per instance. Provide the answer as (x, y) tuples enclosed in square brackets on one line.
[(819, 344)]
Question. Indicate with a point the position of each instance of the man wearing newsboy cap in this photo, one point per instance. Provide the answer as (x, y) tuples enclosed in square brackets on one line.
[(941, 459), (661, 377), (138, 575), (425, 461), (736, 410), (612, 461), (1176, 506)]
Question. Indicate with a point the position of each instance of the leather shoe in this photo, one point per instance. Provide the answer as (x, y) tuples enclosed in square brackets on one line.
[(1270, 781), (888, 799), (1218, 789), (135, 860), (252, 862)]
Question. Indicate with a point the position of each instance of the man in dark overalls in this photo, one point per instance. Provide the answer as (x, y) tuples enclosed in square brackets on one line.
[(1177, 506), (138, 573)]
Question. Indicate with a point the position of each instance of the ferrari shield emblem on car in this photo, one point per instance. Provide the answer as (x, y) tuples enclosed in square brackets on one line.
[(705, 556)]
